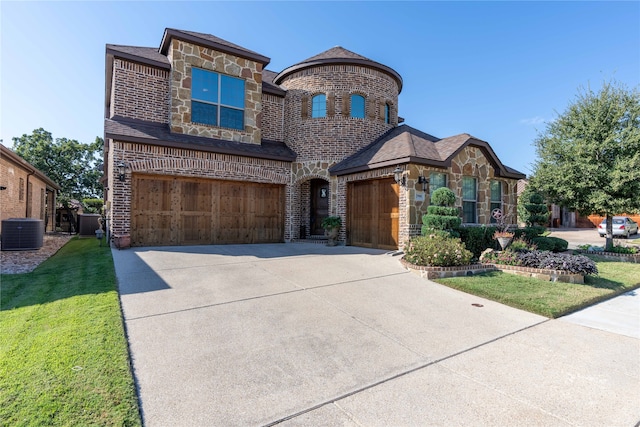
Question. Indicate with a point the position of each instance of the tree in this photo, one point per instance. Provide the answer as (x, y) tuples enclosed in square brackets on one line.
[(589, 157), (74, 166), (532, 210)]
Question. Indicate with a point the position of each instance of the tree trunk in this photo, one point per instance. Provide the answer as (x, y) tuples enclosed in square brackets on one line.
[(609, 241)]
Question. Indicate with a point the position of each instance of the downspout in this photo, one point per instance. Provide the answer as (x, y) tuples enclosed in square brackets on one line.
[(26, 208)]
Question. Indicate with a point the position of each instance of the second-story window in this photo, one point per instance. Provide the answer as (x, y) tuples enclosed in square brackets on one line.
[(387, 113), (357, 106), (217, 99), (319, 105)]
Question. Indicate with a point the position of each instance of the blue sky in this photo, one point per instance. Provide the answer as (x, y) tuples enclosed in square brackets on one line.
[(495, 70)]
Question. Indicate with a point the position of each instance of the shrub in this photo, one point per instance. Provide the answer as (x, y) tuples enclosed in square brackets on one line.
[(552, 261), (618, 249), (529, 233), (506, 257), (92, 205), (477, 239), (331, 222), (443, 197), (440, 222), (521, 245), (553, 244), (437, 251), (532, 209)]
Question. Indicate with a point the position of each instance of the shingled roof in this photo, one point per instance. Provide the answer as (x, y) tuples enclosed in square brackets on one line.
[(339, 55), (131, 130), (404, 144), (212, 42), (145, 55)]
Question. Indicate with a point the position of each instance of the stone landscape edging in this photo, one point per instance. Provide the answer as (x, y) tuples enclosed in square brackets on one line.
[(633, 258), (433, 272)]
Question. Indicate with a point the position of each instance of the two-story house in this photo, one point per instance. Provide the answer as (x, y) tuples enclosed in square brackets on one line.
[(203, 145)]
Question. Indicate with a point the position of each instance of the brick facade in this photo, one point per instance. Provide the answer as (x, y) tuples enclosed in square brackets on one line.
[(28, 193), (152, 91)]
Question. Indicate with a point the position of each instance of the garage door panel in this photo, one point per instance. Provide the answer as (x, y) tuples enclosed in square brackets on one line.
[(373, 213), (180, 211)]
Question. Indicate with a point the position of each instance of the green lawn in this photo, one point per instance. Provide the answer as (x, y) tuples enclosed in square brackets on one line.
[(550, 299), (63, 352)]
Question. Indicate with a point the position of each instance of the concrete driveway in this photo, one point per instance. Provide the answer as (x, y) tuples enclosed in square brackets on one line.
[(303, 334)]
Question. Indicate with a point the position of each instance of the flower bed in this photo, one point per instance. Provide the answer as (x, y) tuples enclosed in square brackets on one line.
[(539, 273), (433, 272)]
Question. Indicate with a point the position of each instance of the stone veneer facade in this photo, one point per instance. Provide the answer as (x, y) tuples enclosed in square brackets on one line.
[(155, 94), (183, 56)]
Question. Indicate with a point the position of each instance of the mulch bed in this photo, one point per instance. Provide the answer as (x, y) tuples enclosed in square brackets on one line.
[(15, 262)]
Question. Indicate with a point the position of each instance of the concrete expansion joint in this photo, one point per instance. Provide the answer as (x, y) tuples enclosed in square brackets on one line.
[(402, 374)]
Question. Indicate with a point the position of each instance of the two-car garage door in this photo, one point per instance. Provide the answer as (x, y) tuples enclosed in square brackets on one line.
[(191, 211)]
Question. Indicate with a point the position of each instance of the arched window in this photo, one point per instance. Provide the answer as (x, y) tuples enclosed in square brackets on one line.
[(319, 105), (387, 113), (357, 106)]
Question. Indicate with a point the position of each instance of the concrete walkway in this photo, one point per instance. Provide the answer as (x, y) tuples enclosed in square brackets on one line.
[(302, 334)]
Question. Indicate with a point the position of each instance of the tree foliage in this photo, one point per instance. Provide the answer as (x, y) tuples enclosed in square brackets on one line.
[(74, 166), (532, 210), (441, 215), (589, 157)]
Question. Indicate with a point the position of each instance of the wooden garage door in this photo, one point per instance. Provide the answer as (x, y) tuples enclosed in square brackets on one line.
[(189, 211), (373, 214)]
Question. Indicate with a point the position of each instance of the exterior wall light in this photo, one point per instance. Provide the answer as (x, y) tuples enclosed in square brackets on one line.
[(122, 169), (424, 181), (398, 176)]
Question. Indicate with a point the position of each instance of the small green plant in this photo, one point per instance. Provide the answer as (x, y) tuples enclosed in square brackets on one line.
[(331, 222), (437, 250), (521, 245), (619, 249)]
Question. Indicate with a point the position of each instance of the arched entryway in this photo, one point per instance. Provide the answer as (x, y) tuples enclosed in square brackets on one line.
[(318, 205)]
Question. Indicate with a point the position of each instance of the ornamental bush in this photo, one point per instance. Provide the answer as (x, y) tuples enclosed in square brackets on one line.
[(437, 250), (441, 215), (553, 244), (477, 239), (529, 233)]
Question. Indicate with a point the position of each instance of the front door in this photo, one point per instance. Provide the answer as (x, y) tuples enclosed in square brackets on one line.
[(319, 205)]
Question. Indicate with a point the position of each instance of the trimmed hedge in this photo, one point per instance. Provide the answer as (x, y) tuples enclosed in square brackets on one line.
[(553, 244), (477, 239), (529, 233)]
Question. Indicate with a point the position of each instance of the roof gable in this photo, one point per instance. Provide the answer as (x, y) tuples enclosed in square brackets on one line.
[(210, 41)]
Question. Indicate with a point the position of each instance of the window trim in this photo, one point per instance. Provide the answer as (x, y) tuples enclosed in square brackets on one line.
[(219, 105), (474, 202)]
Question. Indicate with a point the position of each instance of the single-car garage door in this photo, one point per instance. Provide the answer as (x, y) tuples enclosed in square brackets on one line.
[(191, 211), (373, 214)]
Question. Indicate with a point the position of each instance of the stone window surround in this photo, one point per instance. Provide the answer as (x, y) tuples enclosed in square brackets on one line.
[(219, 104)]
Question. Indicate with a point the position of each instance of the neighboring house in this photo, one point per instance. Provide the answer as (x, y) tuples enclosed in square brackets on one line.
[(25, 191), (205, 146)]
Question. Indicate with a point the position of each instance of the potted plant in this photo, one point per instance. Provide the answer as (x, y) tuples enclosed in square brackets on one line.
[(502, 234), (331, 225)]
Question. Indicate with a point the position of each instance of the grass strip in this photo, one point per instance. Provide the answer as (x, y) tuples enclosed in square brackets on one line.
[(550, 299), (63, 353)]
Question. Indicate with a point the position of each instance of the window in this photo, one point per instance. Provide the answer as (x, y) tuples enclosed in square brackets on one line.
[(387, 114), (21, 190), (496, 197), (436, 180), (319, 106), (216, 99), (357, 106), (469, 200)]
